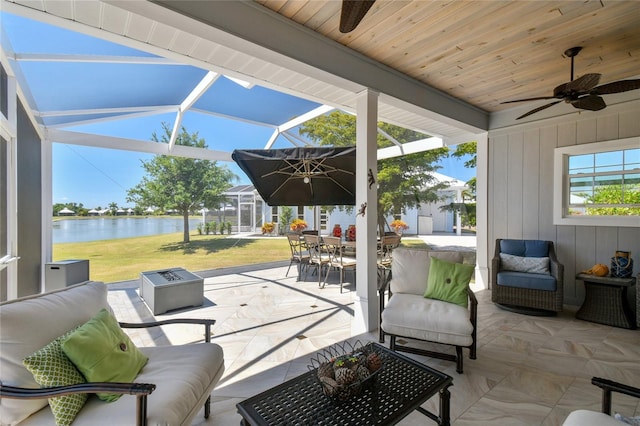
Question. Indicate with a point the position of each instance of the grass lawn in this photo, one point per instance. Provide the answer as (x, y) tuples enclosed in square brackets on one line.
[(123, 259)]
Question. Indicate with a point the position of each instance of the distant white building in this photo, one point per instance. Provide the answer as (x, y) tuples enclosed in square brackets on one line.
[(66, 212), (247, 212)]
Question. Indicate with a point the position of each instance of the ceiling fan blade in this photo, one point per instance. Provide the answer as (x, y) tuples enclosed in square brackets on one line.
[(533, 111), (616, 87), (352, 13), (529, 99), (584, 83), (591, 103)]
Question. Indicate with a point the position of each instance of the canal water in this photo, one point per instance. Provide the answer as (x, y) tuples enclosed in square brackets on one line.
[(107, 228)]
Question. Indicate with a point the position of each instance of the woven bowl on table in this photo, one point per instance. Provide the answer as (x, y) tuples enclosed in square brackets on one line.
[(344, 370)]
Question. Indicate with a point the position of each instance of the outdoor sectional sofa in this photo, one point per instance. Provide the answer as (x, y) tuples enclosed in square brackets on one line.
[(171, 388)]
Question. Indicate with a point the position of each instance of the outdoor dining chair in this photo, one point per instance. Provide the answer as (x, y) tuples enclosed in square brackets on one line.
[(318, 258), (299, 253), (385, 249), (337, 259)]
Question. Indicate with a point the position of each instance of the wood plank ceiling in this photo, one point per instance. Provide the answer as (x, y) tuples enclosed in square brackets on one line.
[(486, 52)]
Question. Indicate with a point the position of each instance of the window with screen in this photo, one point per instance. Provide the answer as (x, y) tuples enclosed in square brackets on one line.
[(598, 183)]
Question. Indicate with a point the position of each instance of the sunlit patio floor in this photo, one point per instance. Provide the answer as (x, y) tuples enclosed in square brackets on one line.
[(529, 371)]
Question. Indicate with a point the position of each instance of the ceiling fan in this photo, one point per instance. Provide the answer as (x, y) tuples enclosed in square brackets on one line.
[(352, 13), (583, 92)]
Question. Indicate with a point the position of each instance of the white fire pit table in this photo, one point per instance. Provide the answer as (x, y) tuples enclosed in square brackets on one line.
[(168, 289)]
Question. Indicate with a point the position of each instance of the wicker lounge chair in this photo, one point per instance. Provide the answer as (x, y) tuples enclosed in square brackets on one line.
[(527, 290)]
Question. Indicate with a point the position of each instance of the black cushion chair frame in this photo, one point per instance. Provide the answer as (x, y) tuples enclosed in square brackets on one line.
[(526, 300), (385, 276), (609, 387), (458, 357)]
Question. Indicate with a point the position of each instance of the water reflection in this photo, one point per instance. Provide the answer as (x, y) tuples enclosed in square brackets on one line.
[(107, 228)]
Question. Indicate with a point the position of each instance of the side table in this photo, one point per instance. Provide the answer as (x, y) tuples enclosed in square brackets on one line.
[(605, 301)]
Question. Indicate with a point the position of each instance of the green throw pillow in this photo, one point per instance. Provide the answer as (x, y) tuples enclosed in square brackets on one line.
[(51, 367), (449, 281), (104, 353)]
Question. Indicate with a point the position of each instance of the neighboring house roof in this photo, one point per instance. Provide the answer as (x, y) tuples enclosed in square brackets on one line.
[(240, 189), (454, 184)]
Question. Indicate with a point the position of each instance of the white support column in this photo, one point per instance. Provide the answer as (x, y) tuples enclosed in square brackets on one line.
[(47, 204), (366, 300), (458, 215), (9, 131), (238, 212), (482, 220)]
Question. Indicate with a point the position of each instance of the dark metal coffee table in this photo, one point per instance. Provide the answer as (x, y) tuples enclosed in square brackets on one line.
[(400, 388)]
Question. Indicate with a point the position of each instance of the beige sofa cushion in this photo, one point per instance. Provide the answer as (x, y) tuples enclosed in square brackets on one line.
[(414, 316), (184, 375), (43, 318), (590, 418), (411, 268)]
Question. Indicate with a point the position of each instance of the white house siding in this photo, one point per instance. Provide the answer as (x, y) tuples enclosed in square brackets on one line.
[(442, 220), (520, 189)]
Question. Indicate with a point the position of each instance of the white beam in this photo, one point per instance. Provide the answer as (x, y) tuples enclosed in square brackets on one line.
[(243, 83), (272, 139), (199, 90), (300, 140), (113, 118), (94, 111), (176, 128), (410, 148), (305, 117), (188, 102), (136, 145), (389, 137), (110, 59), (294, 141)]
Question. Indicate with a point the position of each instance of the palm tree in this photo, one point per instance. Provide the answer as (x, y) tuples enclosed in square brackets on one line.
[(113, 208)]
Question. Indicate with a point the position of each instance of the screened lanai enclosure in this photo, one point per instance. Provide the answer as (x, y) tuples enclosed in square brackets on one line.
[(243, 208)]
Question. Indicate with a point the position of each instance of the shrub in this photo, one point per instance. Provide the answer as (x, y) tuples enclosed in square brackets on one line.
[(398, 225), (298, 225), (268, 228)]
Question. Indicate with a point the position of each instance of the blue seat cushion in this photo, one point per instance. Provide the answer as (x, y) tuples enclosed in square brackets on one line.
[(525, 248), (527, 280)]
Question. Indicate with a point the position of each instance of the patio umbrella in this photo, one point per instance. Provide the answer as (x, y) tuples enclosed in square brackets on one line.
[(301, 176)]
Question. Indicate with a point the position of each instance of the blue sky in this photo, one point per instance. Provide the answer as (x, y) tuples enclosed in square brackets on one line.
[(97, 177)]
